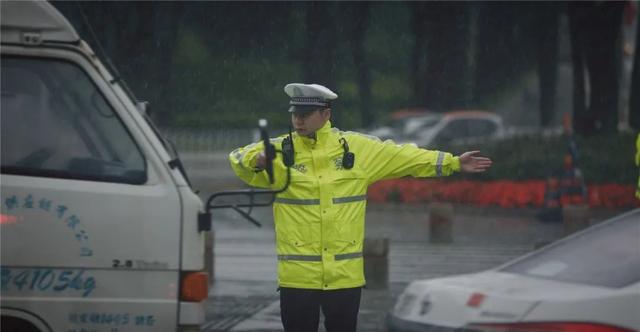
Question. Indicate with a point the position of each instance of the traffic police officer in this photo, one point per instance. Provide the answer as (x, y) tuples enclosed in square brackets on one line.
[(319, 219)]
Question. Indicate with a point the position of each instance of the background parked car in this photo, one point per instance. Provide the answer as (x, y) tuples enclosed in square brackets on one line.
[(400, 123), (435, 130), (589, 281), (430, 129)]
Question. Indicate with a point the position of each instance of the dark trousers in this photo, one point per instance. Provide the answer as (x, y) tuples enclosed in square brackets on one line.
[(300, 309)]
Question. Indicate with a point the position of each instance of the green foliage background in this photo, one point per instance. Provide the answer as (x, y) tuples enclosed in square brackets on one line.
[(219, 83), (602, 159), (229, 61)]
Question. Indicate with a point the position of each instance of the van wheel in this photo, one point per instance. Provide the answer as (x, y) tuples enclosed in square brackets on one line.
[(13, 324)]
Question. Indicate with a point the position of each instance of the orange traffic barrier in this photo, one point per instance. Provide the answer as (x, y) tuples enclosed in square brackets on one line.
[(551, 207), (551, 194), (572, 186)]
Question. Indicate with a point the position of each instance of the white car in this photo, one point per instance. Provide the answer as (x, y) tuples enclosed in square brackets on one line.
[(588, 282), (434, 130), (430, 129), (403, 122)]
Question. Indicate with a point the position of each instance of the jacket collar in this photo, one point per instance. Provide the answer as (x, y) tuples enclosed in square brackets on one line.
[(322, 135)]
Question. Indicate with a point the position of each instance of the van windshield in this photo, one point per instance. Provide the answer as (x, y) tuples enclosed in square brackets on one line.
[(56, 123)]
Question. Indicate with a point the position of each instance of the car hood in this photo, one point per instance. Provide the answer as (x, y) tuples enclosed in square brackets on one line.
[(485, 297)]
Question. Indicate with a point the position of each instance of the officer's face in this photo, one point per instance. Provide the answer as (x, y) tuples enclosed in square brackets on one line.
[(307, 123)]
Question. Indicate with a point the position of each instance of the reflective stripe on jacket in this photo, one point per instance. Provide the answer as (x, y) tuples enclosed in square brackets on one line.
[(319, 220)]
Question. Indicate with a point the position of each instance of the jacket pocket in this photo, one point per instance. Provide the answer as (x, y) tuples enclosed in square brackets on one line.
[(298, 240), (346, 245), (349, 187)]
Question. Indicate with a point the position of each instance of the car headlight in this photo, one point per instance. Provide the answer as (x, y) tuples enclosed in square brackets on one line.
[(425, 305), (404, 304)]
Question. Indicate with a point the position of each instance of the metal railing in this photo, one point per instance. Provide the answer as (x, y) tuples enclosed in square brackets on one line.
[(209, 140)]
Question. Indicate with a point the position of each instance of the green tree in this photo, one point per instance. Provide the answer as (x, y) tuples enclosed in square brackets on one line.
[(634, 103), (439, 60), (548, 16), (357, 24), (595, 36)]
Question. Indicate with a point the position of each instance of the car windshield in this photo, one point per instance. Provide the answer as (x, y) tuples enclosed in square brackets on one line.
[(607, 255), (415, 124)]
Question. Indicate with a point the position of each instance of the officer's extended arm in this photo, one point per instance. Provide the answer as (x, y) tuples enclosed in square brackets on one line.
[(388, 160)]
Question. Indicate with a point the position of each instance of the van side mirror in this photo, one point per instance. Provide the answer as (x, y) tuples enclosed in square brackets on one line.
[(252, 197), (143, 108)]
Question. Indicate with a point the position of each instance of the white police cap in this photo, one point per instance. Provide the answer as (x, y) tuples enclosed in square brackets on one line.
[(308, 97)]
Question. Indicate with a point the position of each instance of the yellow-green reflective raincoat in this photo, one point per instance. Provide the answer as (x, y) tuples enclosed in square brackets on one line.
[(319, 219)]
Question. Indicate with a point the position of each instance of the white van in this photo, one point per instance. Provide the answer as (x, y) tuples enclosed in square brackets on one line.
[(100, 228)]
